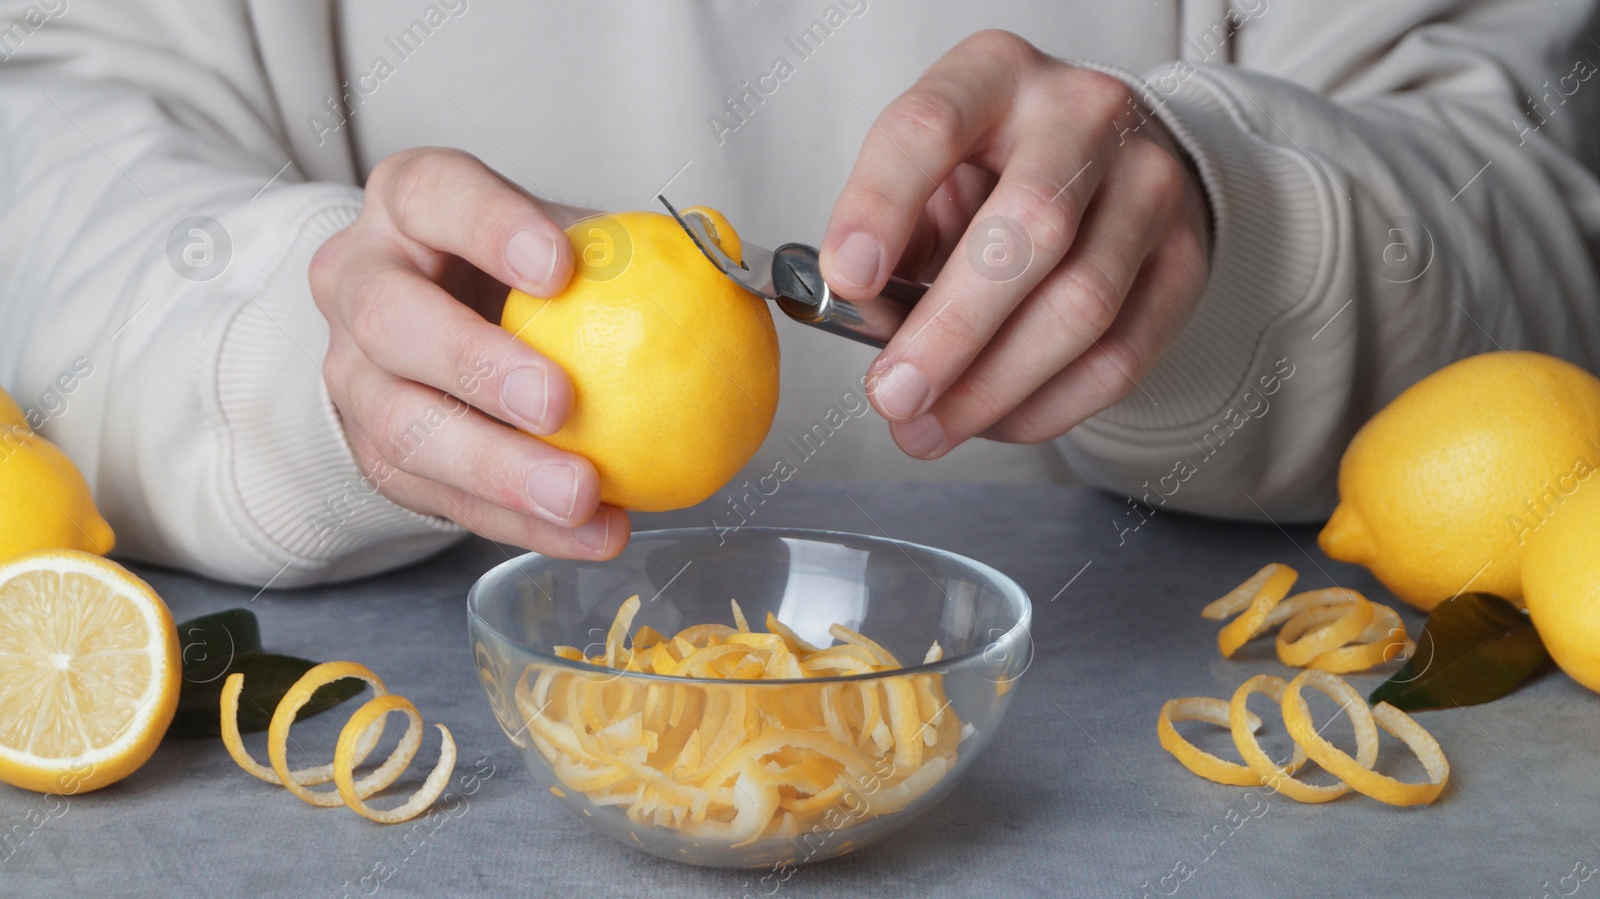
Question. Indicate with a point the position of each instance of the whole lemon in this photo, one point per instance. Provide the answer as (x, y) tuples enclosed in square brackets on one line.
[(1561, 584), (1440, 490), (674, 367), (44, 501)]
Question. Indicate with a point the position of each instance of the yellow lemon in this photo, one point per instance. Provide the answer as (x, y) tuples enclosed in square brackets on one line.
[(1561, 584), (1439, 492), (89, 671), (1442, 488), (674, 367), (44, 501)]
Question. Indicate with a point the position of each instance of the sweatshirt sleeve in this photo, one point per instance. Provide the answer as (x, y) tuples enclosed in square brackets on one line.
[(1394, 186), (155, 316)]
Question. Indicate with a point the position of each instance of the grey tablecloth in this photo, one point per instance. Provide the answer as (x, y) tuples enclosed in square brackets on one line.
[(1075, 796)]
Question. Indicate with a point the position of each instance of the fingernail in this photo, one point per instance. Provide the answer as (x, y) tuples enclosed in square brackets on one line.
[(533, 257), (921, 436), (553, 487), (526, 393), (902, 392), (595, 533), (857, 260)]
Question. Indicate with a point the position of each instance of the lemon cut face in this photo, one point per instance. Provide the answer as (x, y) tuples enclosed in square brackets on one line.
[(89, 671)]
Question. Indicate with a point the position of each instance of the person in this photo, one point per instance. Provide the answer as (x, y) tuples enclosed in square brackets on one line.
[(1187, 246)]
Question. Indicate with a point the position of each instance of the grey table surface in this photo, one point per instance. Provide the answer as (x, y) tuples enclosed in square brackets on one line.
[(1074, 797)]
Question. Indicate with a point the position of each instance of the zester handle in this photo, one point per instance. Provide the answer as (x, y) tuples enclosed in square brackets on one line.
[(806, 298)]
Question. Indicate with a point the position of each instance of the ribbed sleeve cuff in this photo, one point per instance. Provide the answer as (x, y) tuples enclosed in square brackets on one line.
[(1272, 224), (1276, 219), (291, 465)]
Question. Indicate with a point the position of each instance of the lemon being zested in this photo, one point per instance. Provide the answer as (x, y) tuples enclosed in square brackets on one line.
[(1440, 491), (674, 367), (89, 671)]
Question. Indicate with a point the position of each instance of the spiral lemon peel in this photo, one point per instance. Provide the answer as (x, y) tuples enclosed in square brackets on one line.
[(357, 739), (1332, 629), (1360, 777), (1327, 632), (1351, 772), (1282, 778), (1205, 764)]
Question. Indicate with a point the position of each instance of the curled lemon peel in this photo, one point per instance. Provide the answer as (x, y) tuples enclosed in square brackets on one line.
[(1377, 645), (1259, 594), (357, 739), (1327, 632), (1352, 772), (1318, 630), (1360, 777), (1281, 778), (283, 718), (369, 717), (312, 776), (1205, 764), (1331, 629)]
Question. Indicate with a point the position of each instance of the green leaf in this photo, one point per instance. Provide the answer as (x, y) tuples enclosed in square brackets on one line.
[(267, 676), (1474, 649), (219, 635)]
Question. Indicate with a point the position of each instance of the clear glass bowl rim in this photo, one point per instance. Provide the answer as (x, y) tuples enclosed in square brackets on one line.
[(1013, 591)]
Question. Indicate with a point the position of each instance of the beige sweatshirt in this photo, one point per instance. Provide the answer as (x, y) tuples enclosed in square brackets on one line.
[(1396, 184)]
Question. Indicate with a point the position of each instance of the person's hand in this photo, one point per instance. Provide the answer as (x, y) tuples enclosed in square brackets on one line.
[(1069, 238), (423, 377)]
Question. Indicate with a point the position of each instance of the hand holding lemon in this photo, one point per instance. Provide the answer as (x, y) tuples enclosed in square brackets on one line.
[(655, 370), (424, 379)]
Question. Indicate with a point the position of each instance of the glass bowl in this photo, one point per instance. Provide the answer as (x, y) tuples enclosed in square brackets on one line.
[(751, 773)]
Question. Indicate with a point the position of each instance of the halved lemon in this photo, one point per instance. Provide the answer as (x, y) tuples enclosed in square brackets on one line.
[(89, 671)]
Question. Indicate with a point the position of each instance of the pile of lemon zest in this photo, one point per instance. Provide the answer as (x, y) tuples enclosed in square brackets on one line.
[(739, 763)]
